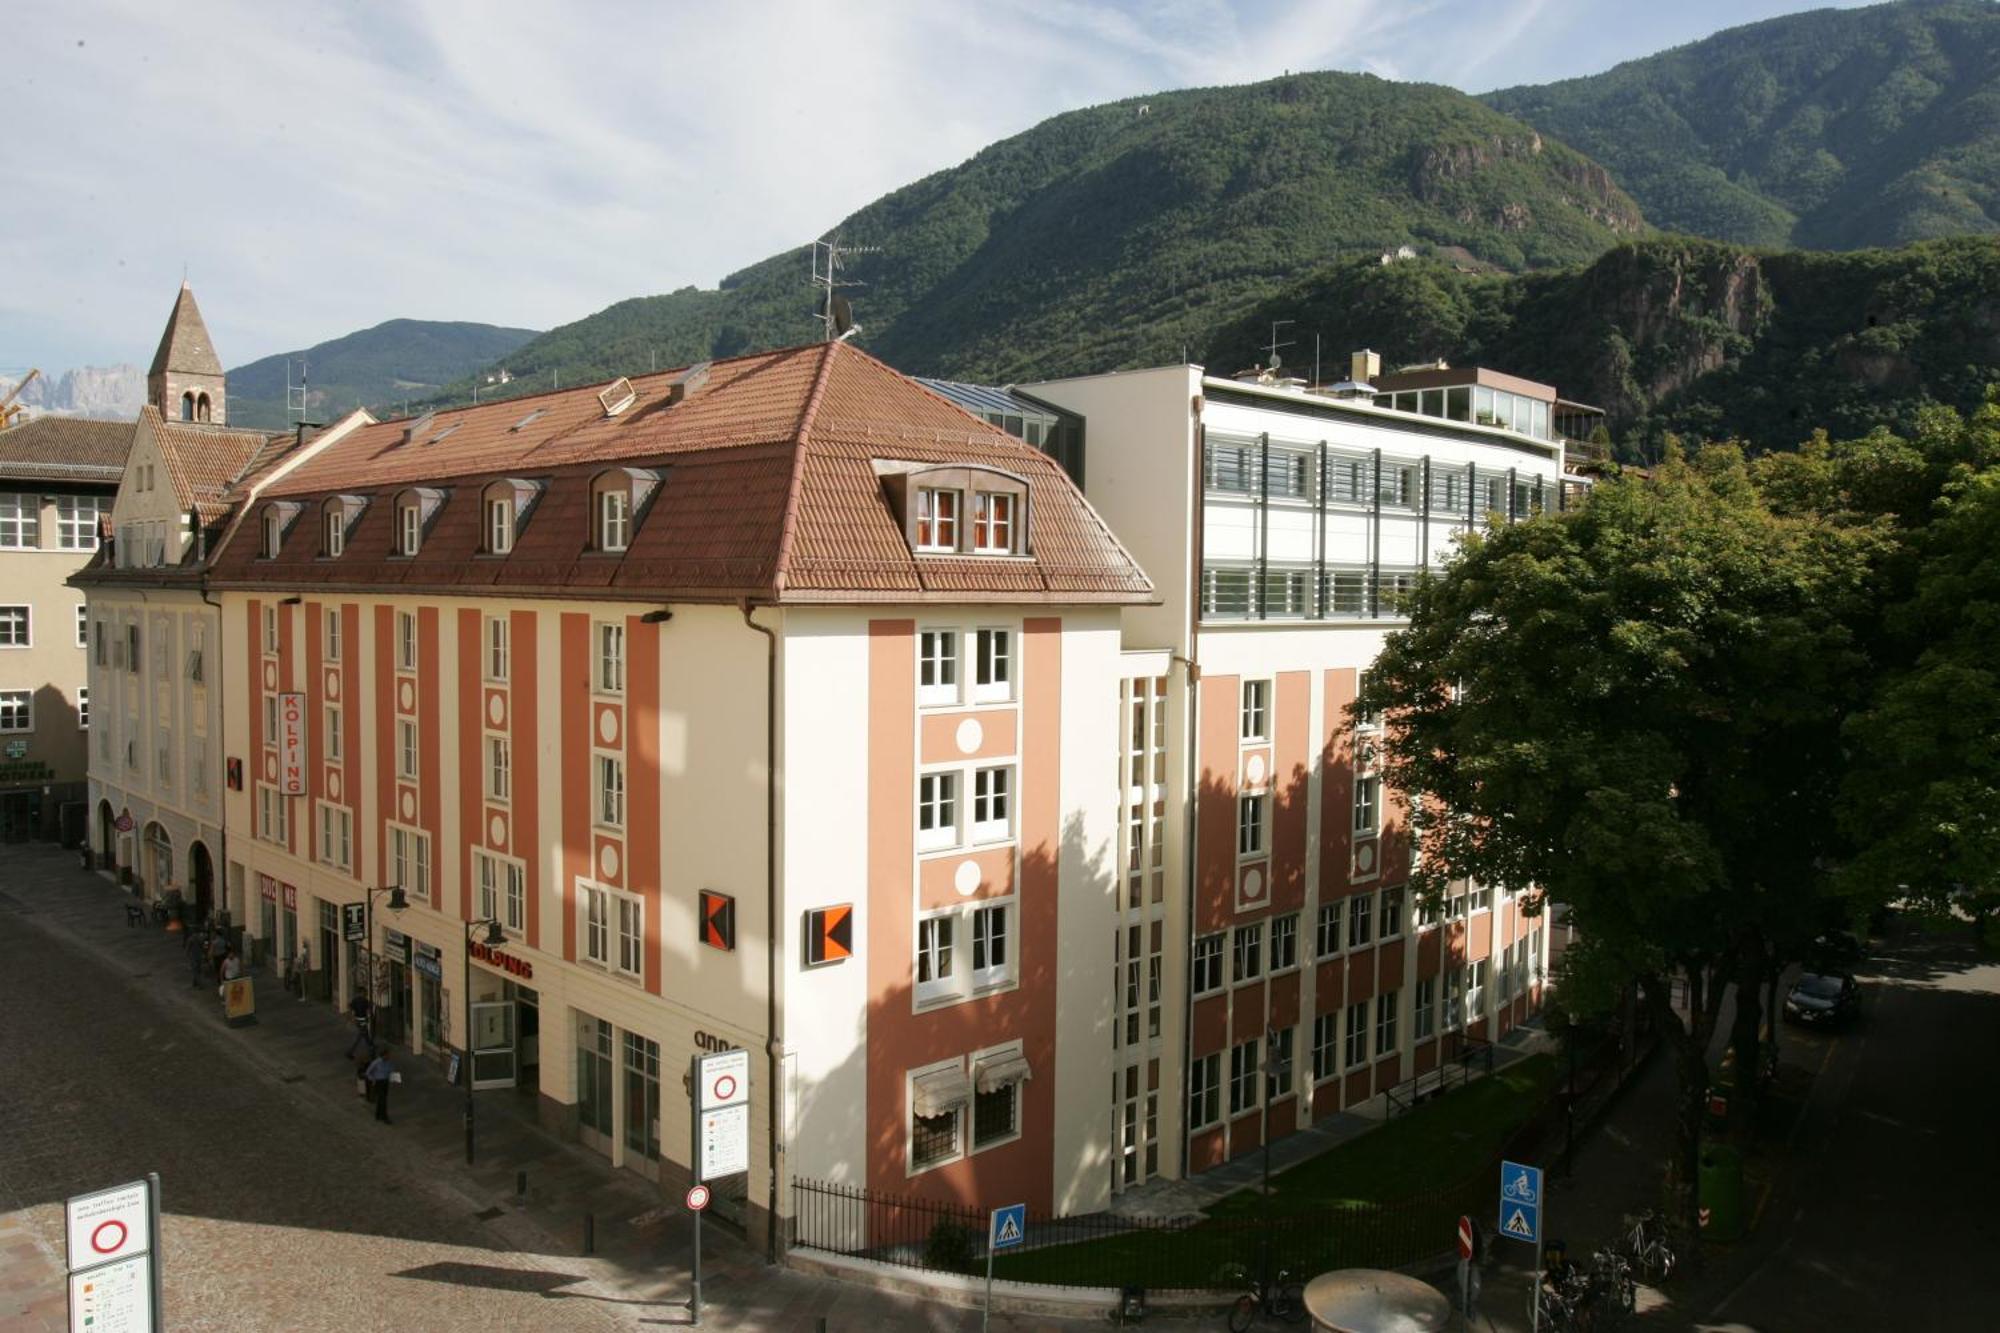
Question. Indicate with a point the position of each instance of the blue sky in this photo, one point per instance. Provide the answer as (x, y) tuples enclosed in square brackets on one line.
[(318, 167)]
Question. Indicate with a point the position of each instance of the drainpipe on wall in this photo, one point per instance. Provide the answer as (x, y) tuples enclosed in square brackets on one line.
[(774, 1044), (221, 739), (1193, 803)]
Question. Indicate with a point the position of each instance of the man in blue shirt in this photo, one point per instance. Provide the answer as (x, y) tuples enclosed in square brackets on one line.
[(380, 1074)]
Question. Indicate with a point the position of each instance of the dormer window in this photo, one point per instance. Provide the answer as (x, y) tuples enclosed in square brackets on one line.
[(277, 520), (957, 510), (616, 499), (993, 522), (937, 519), (335, 521), (503, 511), (499, 524)]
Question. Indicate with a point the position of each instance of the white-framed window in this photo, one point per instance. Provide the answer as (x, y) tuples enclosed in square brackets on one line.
[(610, 657), (992, 803), (334, 744), (1423, 1014), (613, 518), (335, 518), (1284, 942), (1250, 824), (1392, 913), (1204, 1091), (1360, 920), (410, 860), (503, 890), (16, 627), (1386, 1008), (270, 719), (499, 768), (1454, 998), (499, 524), (82, 625), (270, 629), (1357, 1034), (1367, 803), (593, 906), (937, 939), (332, 637), (1326, 931), (996, 1096), (631, 933), (992, 945), (198, 766), (937, 519), (409, 527), (273, 533), (83, 708), (1256, 712), (937, 811), (1248, 952), (992, 666), (1243, 1090), (274, 815), (993, 522), (937, 1098), (1208, 963), (1475, 991), (132, 651), (1281, 1063), (336, 836), (498, 646), (610, 791), (1326, 1046), (937, 666), (406, 640), (1365, 722), (77, 520), (20, 521), (406, 748)]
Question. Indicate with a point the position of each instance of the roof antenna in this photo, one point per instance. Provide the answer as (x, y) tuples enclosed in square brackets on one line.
[(835, 315), (1274, 346), (295, 394)]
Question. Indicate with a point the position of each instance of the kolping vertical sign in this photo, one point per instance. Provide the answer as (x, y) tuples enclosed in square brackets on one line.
[(292, 743)]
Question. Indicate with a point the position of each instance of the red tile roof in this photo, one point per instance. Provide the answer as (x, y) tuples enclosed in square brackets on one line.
[(205, 462), (60, 449), (769, 492)]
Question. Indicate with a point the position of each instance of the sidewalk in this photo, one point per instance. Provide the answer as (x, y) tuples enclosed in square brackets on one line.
[(643, 1239)]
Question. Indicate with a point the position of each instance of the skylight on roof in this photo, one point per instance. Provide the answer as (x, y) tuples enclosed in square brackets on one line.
[(526, 420), (446, 431)]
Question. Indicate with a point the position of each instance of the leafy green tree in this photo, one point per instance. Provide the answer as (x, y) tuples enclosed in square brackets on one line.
[(1634, 708)]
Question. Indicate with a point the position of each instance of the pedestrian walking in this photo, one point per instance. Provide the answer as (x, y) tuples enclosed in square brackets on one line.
[(197, 952), (364, 1038), (381, 1073)]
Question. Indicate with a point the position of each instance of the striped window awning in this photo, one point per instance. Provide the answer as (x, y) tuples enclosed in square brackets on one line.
[(939, 1092)]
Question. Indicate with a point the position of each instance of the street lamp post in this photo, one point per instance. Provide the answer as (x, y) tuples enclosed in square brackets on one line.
[(494, 936), (398, 900)]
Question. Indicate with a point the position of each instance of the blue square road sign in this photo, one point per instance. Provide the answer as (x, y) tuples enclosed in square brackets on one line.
[(1009, 1227), (1520, 1201)]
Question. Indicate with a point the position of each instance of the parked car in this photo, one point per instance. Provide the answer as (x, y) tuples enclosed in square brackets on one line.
[(1826, 998)]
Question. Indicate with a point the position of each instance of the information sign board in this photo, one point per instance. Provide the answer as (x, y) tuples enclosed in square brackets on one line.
[(292, 743)]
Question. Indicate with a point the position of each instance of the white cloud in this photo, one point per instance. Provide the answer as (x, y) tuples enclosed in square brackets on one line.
[(321, 167)]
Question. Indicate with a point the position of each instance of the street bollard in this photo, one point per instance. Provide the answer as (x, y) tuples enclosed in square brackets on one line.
[(589, 1234)]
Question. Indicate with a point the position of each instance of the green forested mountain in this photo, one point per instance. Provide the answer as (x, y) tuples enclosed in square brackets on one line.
[(383, 366), (1671, 334), (1119, 234), (1833, 129)]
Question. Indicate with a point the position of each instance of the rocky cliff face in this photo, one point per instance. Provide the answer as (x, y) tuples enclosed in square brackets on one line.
[(105, 392)]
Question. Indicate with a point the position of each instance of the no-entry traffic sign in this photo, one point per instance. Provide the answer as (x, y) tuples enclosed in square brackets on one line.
[(1464, 1237), (697, 1198)]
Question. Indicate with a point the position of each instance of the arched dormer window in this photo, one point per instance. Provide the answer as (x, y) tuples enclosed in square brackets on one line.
[(187, 406), (201, 408), (954, 510), (503, 511), (415, 509), (337, 519), (618, 499), (277, 521)]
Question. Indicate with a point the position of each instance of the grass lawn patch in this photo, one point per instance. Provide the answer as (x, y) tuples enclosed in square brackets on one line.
[(1383, 1199)]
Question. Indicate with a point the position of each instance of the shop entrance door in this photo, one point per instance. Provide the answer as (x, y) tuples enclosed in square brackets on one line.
[(493, 1044)]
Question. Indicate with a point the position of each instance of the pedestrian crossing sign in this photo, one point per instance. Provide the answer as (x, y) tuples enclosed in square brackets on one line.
[(1520, 1221), (1010, 1226)]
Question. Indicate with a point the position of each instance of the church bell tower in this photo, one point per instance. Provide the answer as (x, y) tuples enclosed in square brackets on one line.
[(186, 381)]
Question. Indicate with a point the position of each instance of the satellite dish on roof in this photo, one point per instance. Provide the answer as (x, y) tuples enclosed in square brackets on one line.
[(1276, 361)]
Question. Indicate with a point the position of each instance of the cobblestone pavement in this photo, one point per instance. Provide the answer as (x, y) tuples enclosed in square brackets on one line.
[(286, 1206)]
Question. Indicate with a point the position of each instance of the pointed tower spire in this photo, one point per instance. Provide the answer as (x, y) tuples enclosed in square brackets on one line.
[(186, 381)]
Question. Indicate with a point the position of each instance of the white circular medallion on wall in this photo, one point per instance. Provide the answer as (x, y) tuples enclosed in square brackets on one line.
[(270, 768), (607, 860), (966, 878), (333, 685), (496, 829), (496, 709), (406, 695), (271, 676), (607, 725), (408, 805), (333, 784), (1364, 858), (1253, 886), (1253, 770), (970, 735)]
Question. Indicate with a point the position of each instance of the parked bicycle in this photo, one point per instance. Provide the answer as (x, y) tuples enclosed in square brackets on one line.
[(1614, 1295), (1283, 1299), (1645, 1243)]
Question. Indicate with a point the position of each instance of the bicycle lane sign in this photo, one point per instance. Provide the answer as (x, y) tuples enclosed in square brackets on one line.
[(1520, 1202)]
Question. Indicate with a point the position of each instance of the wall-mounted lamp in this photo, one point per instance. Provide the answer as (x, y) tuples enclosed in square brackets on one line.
[(659, 617), (290, 601)]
